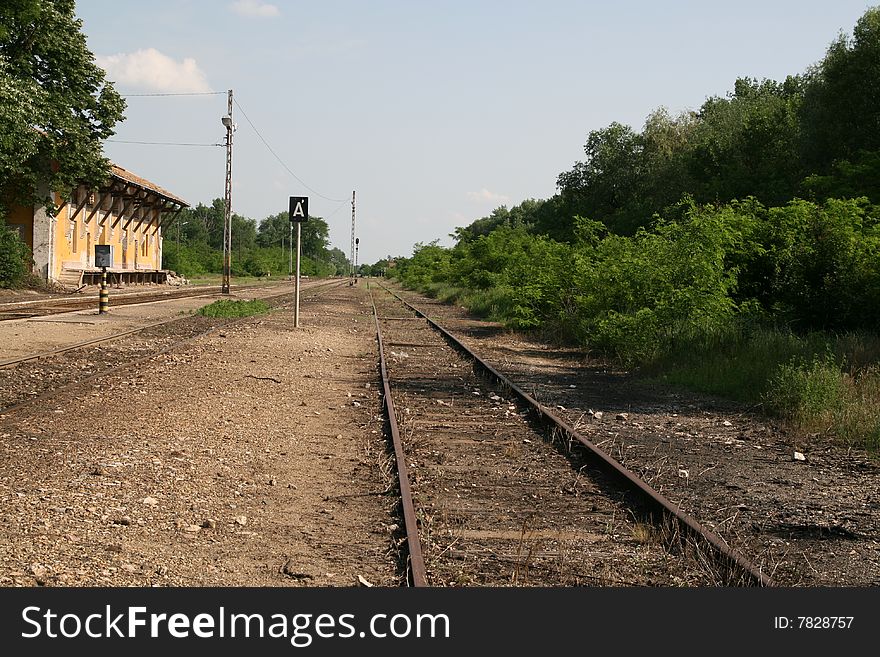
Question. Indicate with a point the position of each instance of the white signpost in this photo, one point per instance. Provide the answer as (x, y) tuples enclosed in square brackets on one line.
[(298, 213)]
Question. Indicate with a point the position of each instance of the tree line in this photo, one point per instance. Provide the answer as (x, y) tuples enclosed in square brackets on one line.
[(761, 204), (193, 244)]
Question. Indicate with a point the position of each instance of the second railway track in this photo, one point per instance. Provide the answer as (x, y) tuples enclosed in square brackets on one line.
[(33, 378), (12, 310), (499, 500)]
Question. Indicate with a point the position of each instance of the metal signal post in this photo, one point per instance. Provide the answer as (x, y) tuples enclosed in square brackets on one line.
[(227, 216), (351, 252)]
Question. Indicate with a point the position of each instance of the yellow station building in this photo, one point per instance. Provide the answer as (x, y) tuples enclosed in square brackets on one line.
[(128, 214)]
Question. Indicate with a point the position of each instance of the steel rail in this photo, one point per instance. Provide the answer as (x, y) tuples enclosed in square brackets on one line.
[(414, 546), (632, 481), (48, 307), (85, 343), (129, 363)]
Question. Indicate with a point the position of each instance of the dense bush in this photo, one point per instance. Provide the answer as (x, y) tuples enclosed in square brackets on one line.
[(15, 258)]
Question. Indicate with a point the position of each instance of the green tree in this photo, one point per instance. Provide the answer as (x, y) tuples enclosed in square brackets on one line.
[(56, 108), (244, 235), (748, 144), (338, 260), (841, 115), (315, 234), (605, 185)]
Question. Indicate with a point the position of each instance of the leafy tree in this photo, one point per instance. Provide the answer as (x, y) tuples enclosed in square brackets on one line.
[(315, 234), (748, 143), (337, 259), (500, 217), (605, 184), (824, 258), (667, 142), (55, 106), (244, 234), (429, 264), (850, 179), (841, 115)]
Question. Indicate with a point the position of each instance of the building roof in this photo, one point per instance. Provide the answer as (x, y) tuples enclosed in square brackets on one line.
[(132, 179)]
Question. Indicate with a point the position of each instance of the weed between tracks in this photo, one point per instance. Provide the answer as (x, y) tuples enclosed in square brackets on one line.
[(645, 527), (234, 308)]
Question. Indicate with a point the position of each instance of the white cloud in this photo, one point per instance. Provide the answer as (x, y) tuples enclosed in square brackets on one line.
[(484, 195), (150, 69), (254, 8)]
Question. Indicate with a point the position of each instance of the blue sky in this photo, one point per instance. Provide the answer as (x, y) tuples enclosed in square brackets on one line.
[(434, 112)]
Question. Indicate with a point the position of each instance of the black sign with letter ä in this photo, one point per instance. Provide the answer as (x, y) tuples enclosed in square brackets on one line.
[(299, 208)]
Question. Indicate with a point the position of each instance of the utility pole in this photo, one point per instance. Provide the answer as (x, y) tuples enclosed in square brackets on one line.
[(178, 239), (227, 217), (351, 251)]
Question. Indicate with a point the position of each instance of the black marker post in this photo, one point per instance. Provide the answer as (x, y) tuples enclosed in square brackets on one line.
[(103, 259)]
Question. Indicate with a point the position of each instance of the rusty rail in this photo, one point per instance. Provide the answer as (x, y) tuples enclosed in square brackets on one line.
[(414, 546), (10, 311), (630, 480)]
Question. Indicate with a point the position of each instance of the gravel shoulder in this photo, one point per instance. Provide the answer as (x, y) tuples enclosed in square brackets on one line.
[(254, 456)]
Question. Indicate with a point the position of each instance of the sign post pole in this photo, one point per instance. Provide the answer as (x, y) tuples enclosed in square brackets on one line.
[(299, 212), (298, 251)]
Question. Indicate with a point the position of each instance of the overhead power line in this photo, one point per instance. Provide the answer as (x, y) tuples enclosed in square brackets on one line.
[(191, 93), (158, 143), (247, 118), (280, 161)]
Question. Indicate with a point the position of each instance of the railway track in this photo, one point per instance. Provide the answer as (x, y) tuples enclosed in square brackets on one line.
[(36, 377), (13, 310), (497, 490)]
